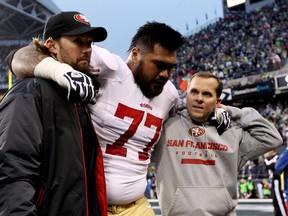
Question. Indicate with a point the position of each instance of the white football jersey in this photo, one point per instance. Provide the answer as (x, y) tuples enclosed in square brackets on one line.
[(127, 124)]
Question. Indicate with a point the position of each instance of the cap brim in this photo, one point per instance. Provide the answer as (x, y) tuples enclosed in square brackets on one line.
[(98, 33)]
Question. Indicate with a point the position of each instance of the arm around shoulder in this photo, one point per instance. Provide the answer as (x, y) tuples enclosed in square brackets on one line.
[(23, 61), (31, 61)]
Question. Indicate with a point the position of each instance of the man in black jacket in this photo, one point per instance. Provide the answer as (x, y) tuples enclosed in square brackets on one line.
[(50, 159)]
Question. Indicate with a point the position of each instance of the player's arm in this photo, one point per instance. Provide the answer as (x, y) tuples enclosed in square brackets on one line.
[(32, 61), (23, 61)]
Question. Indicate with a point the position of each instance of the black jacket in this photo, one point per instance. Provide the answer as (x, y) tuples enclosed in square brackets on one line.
[(50, 159)]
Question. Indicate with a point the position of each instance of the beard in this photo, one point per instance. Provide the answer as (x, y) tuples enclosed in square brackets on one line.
[(81, 68), (151, 88), (80, 64)]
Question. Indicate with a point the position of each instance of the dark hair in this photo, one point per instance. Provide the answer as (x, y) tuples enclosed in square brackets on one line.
[(207, 74), (153, 33)]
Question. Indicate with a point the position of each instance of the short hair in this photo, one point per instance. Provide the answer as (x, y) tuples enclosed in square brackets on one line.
[(207, 74), (153, 33)]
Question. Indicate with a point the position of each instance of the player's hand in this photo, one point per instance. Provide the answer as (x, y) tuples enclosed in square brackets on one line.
[(221, 119), (80, 88)]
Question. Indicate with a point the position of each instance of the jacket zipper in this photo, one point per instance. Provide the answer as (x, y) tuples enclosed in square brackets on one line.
[(40, 197), (83, 159)]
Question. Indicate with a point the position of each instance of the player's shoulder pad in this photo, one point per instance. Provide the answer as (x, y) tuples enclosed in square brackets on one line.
[(102, 58), (171, 91)]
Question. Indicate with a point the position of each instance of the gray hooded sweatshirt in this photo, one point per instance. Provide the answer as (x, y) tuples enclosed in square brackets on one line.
[(197, 168)]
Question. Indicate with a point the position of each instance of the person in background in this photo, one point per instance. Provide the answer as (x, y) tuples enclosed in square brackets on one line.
[(243, 189), (252, 189), (258, 172), (150, 189), (281, 167), (271, 158), (50, 158), (134, 99), (266, 188), (202, 149)]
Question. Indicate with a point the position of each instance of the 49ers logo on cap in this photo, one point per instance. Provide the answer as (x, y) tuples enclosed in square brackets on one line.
[(196, 131), (81, 18)]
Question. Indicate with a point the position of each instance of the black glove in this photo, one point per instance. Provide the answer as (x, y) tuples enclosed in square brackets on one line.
[(81, 89), (221, 119)]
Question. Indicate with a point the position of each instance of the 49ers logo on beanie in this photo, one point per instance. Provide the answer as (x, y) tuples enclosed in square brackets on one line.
[(81, 18)]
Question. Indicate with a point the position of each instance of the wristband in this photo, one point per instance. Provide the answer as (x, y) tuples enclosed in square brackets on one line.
[(51, 69)]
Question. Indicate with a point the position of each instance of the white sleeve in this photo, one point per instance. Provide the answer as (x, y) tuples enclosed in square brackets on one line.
[(52, 69), (102, 61)]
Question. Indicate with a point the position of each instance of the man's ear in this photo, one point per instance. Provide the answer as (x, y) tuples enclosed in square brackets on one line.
[(135, 54), (51, 45), (133, 59), (219, 100)]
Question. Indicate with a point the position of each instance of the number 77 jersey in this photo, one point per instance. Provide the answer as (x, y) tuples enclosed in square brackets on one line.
[(128, 126)]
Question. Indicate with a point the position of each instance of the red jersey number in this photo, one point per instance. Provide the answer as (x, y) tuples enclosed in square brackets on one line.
[(118, 147)]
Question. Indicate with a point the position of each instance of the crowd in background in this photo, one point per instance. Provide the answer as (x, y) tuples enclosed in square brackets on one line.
[(241, 44)]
